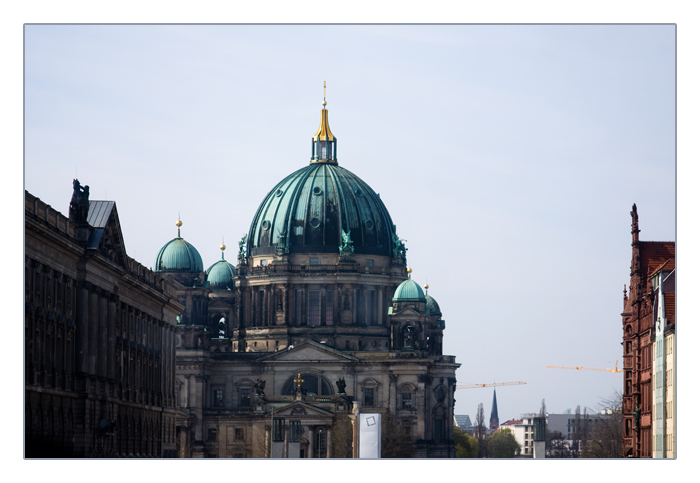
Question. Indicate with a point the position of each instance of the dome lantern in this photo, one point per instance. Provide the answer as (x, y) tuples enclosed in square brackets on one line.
[(324, 144)]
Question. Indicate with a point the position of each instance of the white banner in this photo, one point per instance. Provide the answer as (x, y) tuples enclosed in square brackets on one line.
[(370, 435)]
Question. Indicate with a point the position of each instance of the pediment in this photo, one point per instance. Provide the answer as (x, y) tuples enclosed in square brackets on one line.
[(408, 312), (310, 351), (218, 304), (106, 237), (301, 410)]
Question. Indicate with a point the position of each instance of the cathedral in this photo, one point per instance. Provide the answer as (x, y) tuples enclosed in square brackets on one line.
[(317, 314), (265, 356)]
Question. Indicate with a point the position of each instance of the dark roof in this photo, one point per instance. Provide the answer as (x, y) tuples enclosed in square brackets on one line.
[(654, 254), (99, 213)]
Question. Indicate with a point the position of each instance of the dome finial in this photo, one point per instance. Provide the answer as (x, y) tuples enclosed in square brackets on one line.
[(323, 148), (409, 271), (178, 224), (222, 247)]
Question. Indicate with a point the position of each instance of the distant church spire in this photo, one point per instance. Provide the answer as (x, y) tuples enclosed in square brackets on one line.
[(493, 422), (324, 144)]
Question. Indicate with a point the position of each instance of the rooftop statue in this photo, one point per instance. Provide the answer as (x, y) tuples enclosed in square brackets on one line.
[(399, 248), (347, 250), (241, 248), (259, 387), (281, 247), (79, 203)]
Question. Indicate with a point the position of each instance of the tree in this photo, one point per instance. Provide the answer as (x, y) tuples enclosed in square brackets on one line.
[(396, 441), (502, 444), (580, 432), (341, 436), (556, 445), (465, 446), (480, 430), (606, 436)]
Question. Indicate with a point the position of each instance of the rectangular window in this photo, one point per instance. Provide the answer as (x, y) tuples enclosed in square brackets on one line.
[(406, 400), (298, 306), (314, 307), (329, 307), (261, 309), (239, 434), (294, 431), (370, 262), (245, 397), (371, 308), (369, 396), (278, 429), (218, 397), (437, 430), (314, 261), (212, 434), (322, 444)]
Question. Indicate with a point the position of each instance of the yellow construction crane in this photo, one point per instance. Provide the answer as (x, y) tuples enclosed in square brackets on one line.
[(582, 368), (474, 386)]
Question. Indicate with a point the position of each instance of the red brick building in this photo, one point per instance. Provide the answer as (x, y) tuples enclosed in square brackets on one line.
[(638, 327)]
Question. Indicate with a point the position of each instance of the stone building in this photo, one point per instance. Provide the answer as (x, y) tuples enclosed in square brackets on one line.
[(653, 264), (318, 314), (100, 332)]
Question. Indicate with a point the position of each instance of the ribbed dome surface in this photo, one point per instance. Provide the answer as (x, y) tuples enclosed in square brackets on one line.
[(178, 256), (309, 208), (220, 275), (432, 305), (409, 291)]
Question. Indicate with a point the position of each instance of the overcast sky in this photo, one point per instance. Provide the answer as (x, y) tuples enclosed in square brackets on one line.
[(508, 156)]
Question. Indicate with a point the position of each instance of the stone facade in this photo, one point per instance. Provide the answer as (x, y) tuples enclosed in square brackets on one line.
[(320, 316), (100, 333)]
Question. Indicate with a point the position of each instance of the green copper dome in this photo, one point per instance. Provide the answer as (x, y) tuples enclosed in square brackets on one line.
[(432, 305), (178, 256), (321, 207), (408, 291), (220, 275), (307, 211)]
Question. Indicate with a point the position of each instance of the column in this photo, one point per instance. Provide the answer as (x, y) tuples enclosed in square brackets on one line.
[(93, 311), (81, 329), (102, 334)]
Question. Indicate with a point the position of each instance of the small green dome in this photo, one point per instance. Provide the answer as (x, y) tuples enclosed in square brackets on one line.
[(432, 305), (220, 275), (408, 291), (178, 256)]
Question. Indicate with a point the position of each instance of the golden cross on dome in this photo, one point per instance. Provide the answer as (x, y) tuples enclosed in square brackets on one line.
[(324, 94), (298, 380)]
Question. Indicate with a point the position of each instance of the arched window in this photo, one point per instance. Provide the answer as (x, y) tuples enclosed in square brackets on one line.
[(313, 384)]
